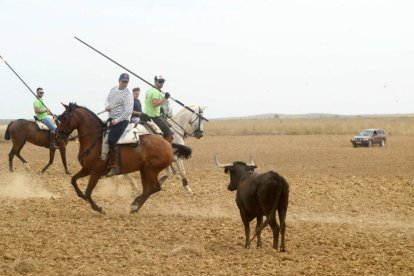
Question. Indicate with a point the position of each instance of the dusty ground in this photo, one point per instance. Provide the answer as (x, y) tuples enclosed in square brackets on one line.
[(351, 212)]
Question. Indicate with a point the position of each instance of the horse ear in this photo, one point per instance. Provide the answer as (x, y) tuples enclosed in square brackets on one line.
[(203, 108), (64, 105)]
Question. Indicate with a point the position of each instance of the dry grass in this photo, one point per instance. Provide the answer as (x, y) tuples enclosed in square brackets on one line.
[(310, 126), (394, 125)]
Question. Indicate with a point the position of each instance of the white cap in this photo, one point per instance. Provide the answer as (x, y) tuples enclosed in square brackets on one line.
[(159, 77)]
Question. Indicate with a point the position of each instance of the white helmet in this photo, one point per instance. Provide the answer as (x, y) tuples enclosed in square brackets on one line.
[(159, 77)]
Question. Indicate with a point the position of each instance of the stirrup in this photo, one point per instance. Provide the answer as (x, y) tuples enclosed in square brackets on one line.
[(114, 171)]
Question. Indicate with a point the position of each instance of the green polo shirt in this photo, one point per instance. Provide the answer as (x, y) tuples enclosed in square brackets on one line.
[(38, 103), (149, 109)]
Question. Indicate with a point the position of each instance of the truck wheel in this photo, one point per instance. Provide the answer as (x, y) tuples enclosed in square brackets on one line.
[(382, 143), (354, 145), (369, 143)]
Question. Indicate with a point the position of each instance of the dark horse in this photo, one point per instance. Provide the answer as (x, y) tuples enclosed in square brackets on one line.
[(153, 155), (21, 131)]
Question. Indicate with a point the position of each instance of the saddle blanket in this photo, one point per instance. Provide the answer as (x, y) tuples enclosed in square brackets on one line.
[(132, 133), (41, 125)]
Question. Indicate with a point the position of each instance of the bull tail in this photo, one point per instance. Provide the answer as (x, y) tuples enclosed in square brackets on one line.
[(7, 134), (272, 214), (181, 151)]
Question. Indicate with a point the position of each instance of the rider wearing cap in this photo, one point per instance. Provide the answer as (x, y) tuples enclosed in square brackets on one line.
[(153, 102), (119, 104), (41, 114)]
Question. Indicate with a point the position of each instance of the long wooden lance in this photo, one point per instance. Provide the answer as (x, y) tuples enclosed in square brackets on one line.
[(147, 82)]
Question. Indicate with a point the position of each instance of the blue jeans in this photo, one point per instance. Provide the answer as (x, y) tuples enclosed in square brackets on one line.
[(50, 124), (115, 132)]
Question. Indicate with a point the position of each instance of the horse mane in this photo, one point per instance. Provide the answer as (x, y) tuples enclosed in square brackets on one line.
[(73, 106), (193, 107)]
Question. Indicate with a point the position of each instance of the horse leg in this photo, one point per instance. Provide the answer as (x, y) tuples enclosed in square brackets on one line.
[(11, 156), (80, 174), (51, 158), (93, 180), (62, 150), (180, 165), (133, 183), (168, 172), (150, 185)]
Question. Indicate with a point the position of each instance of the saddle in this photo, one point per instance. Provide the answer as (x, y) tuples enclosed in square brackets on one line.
[(39, 124), (130, 136)]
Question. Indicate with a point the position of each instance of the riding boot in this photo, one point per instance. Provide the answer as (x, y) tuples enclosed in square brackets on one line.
[(114, 163), (52, 141)]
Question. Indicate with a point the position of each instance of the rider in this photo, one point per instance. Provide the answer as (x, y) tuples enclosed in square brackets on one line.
[(137, 106), (41, 114), (119, 104), (153, 102)]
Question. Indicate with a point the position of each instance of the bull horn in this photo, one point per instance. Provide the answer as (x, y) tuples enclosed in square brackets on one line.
[(219, 164), (251, 162)]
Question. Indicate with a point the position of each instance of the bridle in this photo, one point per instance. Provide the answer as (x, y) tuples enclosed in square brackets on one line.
[(72, 138), (197, 133)]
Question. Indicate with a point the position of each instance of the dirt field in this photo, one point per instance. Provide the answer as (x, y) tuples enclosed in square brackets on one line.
[(351, 212)]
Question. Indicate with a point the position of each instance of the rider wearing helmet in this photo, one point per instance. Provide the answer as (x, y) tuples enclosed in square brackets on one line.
[(153, 102)]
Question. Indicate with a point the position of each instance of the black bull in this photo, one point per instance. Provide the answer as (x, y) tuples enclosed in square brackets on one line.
[(259, 195)]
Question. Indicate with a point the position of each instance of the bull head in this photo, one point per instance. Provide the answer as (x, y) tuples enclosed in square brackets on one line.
[(249, 166)]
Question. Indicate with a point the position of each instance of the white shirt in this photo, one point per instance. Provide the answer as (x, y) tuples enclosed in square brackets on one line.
[(121, 103)]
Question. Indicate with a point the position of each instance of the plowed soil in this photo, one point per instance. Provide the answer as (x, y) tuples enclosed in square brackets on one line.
[(351, 212)]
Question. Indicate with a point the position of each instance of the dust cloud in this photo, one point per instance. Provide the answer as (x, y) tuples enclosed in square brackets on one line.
[(22, 186)]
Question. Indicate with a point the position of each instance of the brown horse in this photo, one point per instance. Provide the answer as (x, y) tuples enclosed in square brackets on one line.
[(21, 131), (153, 155)]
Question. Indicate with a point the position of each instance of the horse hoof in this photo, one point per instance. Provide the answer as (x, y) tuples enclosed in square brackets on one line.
[(68, 173), (27, 167), (135, 208), (188, 189), (99, 210), (283, 249)]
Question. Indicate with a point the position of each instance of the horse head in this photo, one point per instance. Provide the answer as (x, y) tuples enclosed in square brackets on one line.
[(195, 121), (75, 116)]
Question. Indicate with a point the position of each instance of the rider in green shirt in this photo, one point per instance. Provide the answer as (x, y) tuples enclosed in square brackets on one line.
[(153, 102), (41, 113)]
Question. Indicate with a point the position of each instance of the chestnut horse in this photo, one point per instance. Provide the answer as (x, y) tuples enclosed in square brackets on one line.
[(152, 155), (21, 131)]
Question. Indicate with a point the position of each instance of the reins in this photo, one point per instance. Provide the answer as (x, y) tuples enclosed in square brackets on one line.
[(185, 133)]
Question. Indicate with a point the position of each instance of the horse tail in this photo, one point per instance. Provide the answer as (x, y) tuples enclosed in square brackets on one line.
[(181, 151), (7, 134)]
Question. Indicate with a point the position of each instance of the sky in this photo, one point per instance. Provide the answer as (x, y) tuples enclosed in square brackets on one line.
[(236, 57)]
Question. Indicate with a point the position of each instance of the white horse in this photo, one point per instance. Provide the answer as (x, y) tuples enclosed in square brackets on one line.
[(184, 124)]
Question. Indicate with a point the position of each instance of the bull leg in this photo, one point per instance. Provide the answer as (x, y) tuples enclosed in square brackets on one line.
[(51, 158), (246, 224), (150, 185), (282, 221), (80, 174), (259, 222), (275, 228), (62, 150), (93, 180)]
